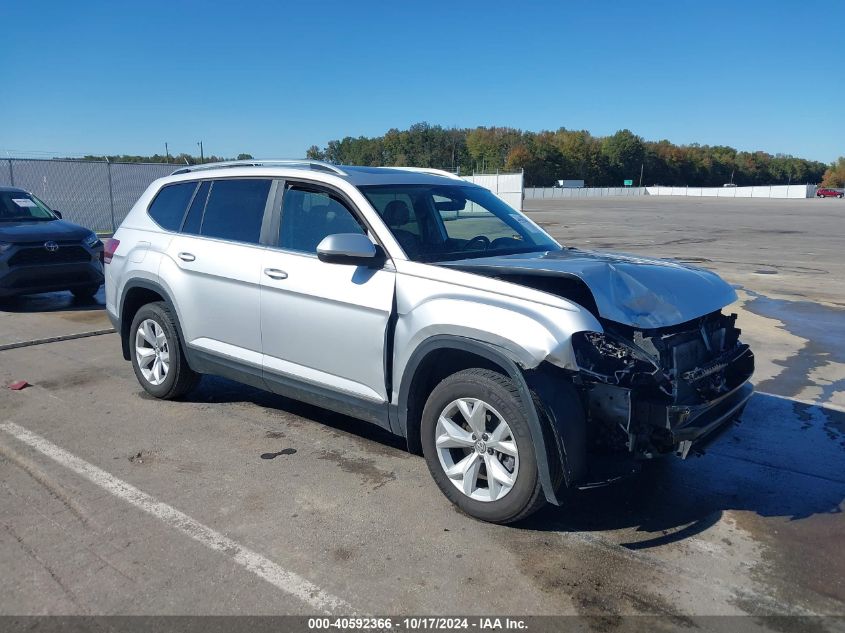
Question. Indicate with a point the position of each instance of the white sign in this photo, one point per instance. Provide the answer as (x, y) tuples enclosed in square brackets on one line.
[(23, 202)]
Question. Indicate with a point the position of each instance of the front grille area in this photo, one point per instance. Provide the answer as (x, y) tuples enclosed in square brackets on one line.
[(644, 385), (56, 280), (37, 256)]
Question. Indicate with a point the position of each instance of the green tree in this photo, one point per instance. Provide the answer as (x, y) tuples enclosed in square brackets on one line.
[(834, 176), (624, 152), (314, 153)]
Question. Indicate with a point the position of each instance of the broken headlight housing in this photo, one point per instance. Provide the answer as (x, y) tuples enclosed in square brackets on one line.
[(610, 358)]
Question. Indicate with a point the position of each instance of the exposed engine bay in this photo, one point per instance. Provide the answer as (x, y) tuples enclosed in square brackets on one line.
[(645, 387)]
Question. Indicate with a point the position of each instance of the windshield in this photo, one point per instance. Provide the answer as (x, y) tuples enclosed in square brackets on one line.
[(17, 206), (438, 223)]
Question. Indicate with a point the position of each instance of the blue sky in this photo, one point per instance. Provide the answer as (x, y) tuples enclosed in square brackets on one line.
[(272, 78)]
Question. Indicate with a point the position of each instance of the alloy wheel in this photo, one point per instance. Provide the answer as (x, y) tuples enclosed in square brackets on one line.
[(152, 352), (477, 449)]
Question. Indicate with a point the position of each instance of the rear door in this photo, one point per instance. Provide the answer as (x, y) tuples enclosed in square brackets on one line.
[(322, 324), (214, 268)]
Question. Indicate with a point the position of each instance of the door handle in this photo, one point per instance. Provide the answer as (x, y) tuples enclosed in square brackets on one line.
[(187, 257), (275, 273)]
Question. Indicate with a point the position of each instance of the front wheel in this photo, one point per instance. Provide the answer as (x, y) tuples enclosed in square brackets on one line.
[(478, 447)]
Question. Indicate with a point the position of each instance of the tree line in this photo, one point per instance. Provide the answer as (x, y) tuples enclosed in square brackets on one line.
[(176, 159), (548, 156)]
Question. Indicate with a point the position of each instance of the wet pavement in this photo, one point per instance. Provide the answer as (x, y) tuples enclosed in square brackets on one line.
[(48, 315), (820, 361)]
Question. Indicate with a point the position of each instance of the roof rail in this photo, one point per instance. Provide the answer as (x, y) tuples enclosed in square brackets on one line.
[(317, 165), (432, 171)]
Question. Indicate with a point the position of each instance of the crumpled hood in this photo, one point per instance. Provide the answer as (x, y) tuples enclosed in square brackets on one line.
[(628, 289), (41, 231)]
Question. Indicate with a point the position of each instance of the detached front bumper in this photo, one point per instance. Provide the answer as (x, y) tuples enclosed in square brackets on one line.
[(652, 427), (700, 424)]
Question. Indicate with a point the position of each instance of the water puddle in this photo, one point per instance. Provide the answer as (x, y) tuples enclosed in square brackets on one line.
[(817, 370)]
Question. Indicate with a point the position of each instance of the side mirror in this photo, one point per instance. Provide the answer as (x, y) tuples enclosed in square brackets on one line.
[(349, 248), (58, 214)]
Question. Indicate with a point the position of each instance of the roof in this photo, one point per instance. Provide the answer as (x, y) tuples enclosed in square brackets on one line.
[(354, 174), (11, 190), (392, 175)]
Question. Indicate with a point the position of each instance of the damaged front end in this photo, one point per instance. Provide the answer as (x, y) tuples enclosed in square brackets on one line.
[(656, 391)]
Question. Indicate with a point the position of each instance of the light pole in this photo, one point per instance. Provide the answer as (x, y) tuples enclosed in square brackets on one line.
[(202, 158)]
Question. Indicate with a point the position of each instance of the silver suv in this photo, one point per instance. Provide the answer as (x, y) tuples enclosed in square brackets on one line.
[(411, 299)]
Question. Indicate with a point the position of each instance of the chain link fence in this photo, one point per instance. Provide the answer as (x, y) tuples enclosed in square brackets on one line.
[(95, 194)]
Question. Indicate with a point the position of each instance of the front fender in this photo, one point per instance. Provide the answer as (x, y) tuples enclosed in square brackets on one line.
[(529, 331)]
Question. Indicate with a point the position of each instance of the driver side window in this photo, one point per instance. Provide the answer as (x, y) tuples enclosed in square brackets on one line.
[(309, 215), (397, 211)]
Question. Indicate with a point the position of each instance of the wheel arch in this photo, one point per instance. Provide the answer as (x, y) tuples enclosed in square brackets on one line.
[(136, 294), (442, 355)]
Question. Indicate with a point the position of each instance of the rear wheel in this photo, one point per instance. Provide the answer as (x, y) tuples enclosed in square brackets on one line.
[(478, 447), (157, 354)]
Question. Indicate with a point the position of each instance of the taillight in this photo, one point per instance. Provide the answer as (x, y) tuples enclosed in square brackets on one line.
[(109, 249)]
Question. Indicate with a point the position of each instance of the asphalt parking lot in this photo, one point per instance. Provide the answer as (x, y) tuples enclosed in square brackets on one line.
[(235, 501)]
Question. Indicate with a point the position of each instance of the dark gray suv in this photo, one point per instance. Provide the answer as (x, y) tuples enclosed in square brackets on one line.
[(40, 252)]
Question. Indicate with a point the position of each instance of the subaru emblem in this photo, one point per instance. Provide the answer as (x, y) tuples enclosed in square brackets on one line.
[(51, 246)]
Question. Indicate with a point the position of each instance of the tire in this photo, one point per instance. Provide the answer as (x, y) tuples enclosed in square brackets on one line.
[(85, 293), (166, 373), (840, 196), (493, 501)]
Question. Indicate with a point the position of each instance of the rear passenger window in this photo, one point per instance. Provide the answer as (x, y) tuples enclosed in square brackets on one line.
[(193, 220), (169, 205), (235, 209)]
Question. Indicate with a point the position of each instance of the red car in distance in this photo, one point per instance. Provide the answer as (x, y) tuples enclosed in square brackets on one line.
[(829, 193)]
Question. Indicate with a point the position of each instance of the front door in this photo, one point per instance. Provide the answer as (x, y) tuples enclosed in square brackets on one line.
[(322, 324)]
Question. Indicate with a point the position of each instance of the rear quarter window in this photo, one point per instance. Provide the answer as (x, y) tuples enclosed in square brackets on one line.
[(168, 207)]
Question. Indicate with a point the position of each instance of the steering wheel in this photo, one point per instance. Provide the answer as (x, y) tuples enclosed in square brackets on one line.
[(483, 239)]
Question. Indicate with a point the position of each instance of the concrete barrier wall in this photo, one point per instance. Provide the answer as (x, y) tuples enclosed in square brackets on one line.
[(764, 191), (760, 191), (538, 193), (507, 186)]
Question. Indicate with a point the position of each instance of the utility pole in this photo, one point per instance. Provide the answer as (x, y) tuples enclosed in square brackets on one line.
[(167, 152), (202, 157), (642, 165)]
